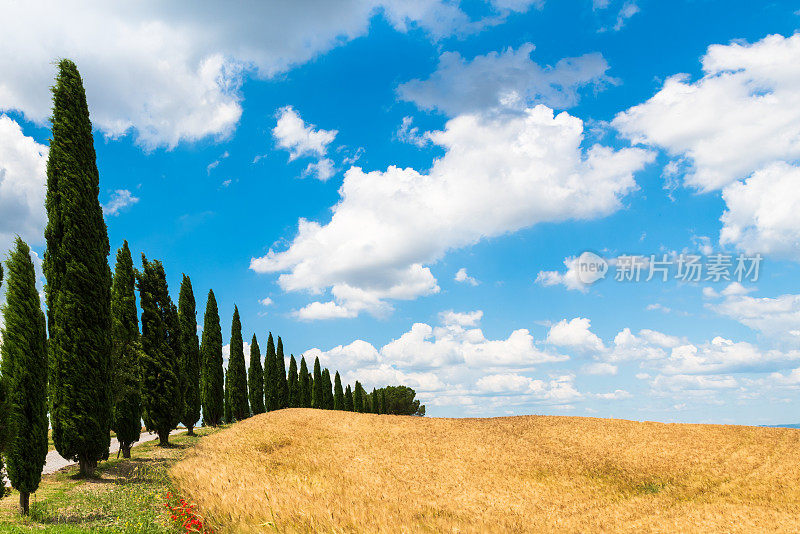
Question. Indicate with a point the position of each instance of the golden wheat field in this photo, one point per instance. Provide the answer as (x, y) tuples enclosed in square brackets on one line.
[(302, 470)]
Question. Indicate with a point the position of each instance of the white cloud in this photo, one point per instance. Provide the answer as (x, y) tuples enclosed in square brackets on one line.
[(575, 334), (508, 79), (301, 139), (411, 134), (23, 164), (628, 9), (682, 383), (462, 276), (725, 356), (322, 170), (496, 176), (324, 310), (617, 394), (761, 214), (741, 116), (461, 319), (658, 307), (600, 368), (170, 74), (266, 301), (214, 164), (568, 279), (120, 199), (778, 318)]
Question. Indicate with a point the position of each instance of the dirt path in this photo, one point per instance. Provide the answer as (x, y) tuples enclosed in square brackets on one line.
[(54, 461)]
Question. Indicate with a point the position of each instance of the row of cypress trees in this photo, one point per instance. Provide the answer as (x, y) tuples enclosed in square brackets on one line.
[(97, 371)]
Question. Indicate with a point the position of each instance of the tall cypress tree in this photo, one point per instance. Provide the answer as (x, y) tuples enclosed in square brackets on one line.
[(348, 399), (78, 285), (211, 375), (270, 376), (338, 394), (293, 383), (3, 406), (226, 411), (375, 401), (318, 395), (237, 373), (255, 378), (358, 398), (383, 401), (304, 385), (190, 349), (327, 390), (24, 376), (125, 354), (282, 385), (160, 358)]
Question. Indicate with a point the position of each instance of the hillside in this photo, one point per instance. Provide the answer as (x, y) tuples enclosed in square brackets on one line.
[(302, 470)]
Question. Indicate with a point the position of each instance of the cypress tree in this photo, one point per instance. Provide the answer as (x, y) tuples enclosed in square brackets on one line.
[(348, 399), (338, 394), (318, 395), (293, 384), (327, 390), (190, 350), (255, 379), (375, 402), (237, 374), (211, 375), (78, 288), (383, 401), (24, 376), (358, 398), (270, 376), (367, 402), (304, 385), (125, 353), (160, 359), (3, 406), (282, 385)]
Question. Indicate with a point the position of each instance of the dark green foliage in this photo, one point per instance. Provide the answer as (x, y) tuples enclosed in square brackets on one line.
[(304, 384), (190, 350), (3, 407), (211, 373), (327, 390), (282, 385), (78, 285), (367, 403), (293, 383), (160, 359), (338, 394), (255, 378), (358, 398), (24, 375), (126, 412), (375, 401), (383, 401), (318, 395), (237, 373), (348, 399), (399, 400), (270, 376)]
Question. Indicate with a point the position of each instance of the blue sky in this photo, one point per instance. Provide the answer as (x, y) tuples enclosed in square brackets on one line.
[(346, 161)]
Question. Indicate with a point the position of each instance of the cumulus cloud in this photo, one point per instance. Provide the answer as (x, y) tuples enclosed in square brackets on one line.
[(736, 129), (463, 277), (575, 334), (23, 165), (120, 199), (568, 278), (504, 80), (169, 74), (300, 139), (775, 317), (761, 214), (496, 176)]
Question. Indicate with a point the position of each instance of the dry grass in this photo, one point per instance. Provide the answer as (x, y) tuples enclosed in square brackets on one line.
[(308, 470)]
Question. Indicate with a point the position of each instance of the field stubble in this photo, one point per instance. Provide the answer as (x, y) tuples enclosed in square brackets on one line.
[(301, 470)]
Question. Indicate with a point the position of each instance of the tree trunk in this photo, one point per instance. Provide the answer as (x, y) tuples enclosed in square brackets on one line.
[(190, 431), (163, 439), (87, 466), (126, 450), (24, 501)]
